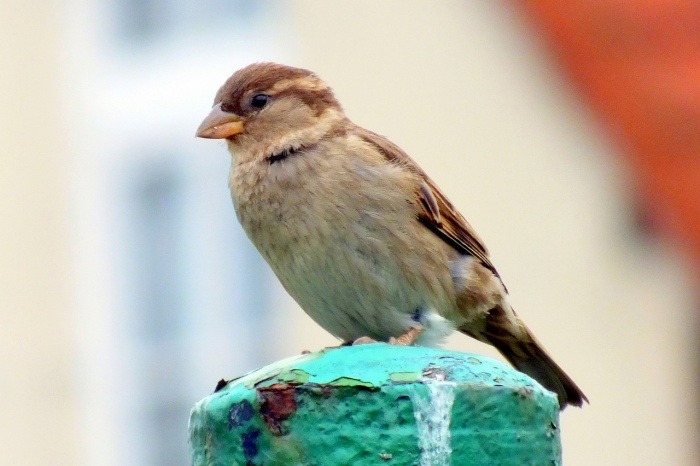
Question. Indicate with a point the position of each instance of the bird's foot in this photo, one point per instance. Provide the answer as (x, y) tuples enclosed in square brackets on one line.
[(363, 341), (407, 338), (358, 341)]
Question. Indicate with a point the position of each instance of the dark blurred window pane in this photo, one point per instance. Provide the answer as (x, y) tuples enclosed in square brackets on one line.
[(143, 21)]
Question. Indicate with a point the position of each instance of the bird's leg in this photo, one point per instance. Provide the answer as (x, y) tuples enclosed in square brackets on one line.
[(407, 338)]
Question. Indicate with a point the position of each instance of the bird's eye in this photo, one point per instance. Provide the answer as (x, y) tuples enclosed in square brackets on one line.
[(259, 100)]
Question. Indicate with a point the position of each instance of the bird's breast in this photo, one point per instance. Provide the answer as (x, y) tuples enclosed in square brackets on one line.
[(342, 237)]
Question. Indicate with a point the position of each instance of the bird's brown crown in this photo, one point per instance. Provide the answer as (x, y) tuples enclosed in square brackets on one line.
[(275, 80)]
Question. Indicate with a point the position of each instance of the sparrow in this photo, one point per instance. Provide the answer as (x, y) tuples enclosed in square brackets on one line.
[(356, 232)]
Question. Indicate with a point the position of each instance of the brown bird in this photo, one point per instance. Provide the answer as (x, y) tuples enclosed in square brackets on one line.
[(354, 229)]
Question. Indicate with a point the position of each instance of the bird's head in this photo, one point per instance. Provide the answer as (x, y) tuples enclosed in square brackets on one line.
[(267, 107)]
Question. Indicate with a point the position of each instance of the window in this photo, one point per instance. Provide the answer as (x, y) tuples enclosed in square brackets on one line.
[(181, 299)]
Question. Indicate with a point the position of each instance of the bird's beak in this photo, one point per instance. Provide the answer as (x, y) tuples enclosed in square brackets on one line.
[(220, 124)]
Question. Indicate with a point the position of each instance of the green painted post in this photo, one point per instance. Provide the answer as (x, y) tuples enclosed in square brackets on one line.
[(378, 404)]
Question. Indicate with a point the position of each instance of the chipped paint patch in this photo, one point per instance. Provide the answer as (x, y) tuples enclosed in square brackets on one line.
[(257, 377), (239, 414), (404, 377), (296, 376), (249, 443), (277, 404), (350, 382)]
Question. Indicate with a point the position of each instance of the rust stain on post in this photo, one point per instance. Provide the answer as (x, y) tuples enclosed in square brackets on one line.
[(277, 403)]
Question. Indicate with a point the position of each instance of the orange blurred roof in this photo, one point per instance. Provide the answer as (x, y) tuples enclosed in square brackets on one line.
[(638, 65)]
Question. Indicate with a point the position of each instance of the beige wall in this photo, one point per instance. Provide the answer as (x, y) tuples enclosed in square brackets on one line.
[(38, 398)]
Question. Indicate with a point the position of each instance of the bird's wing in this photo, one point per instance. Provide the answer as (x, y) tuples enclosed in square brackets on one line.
[(435, 211)]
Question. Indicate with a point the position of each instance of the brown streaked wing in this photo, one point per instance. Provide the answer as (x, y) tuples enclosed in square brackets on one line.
[(436, 212)]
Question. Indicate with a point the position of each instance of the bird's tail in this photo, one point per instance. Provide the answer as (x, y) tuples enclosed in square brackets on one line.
[(520, 347)]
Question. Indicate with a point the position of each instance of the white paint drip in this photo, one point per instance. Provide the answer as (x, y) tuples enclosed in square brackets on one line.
[(433, 413)]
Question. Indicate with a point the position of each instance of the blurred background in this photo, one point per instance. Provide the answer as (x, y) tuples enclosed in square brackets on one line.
[(568, 133)]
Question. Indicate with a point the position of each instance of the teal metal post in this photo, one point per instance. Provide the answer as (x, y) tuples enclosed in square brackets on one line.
[(378, 404)]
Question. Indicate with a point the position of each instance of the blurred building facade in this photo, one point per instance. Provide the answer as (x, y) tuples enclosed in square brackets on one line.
[(130, 289)]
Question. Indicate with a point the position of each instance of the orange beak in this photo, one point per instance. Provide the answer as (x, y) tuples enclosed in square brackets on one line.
[(219, 124)]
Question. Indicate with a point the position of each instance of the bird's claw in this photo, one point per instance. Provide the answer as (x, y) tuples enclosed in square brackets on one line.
[(407, 338)]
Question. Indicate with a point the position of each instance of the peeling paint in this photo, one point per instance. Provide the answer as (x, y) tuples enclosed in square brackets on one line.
[(249, 442), (294, 376), (405, 377), (220, 384), (350, 382), (277, 404), (239, 414), (254, 378), (434, 373)]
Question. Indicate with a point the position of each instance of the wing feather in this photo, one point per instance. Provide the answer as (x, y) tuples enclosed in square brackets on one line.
[(435, 211)]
